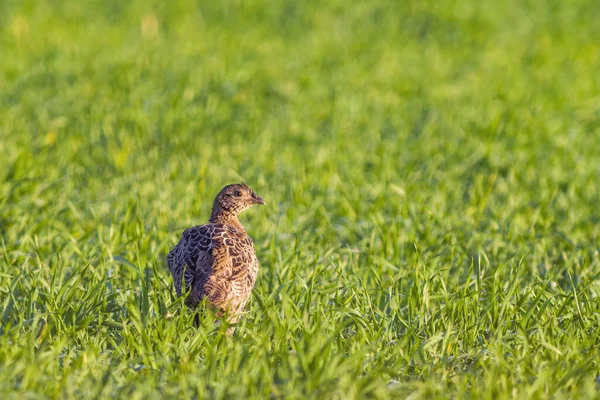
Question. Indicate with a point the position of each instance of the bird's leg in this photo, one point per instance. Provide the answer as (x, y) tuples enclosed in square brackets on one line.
[(231, 321), (230, 331)]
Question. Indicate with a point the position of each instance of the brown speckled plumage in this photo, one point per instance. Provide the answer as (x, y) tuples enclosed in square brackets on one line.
[(217, 261)]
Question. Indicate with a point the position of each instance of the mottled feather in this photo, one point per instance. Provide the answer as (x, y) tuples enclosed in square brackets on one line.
[(217, 261)]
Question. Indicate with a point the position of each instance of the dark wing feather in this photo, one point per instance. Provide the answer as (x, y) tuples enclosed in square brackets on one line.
[(191, 259)]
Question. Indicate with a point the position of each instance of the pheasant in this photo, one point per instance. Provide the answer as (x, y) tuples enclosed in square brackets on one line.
[(217, 261)]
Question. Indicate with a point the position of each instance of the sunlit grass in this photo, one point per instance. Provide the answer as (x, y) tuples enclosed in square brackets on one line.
[(432, 176)]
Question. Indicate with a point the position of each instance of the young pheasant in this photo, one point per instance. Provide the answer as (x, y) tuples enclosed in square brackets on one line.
[(217, 260)]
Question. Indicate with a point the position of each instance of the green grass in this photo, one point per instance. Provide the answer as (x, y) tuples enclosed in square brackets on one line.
[(432, 172)]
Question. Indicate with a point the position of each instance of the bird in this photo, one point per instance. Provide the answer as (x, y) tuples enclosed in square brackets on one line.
[(217, 261)]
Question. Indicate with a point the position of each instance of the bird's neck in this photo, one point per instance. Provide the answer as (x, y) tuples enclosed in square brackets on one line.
[(220, 216)]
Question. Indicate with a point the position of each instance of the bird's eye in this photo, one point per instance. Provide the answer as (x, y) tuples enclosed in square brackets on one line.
[(237, 193)]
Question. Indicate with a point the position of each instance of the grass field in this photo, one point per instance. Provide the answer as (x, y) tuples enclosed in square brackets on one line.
[(432, 173)]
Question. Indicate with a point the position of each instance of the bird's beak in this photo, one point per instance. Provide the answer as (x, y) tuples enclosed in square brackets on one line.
[(256, 199)]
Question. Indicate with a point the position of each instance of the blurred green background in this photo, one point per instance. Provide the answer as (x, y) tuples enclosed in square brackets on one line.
[(432, 176)]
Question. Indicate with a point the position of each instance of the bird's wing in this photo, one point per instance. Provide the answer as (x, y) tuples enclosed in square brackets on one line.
[(192, 258), (234, 269)]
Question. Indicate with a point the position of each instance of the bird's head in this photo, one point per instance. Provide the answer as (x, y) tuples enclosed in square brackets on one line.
[(235, 198)]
